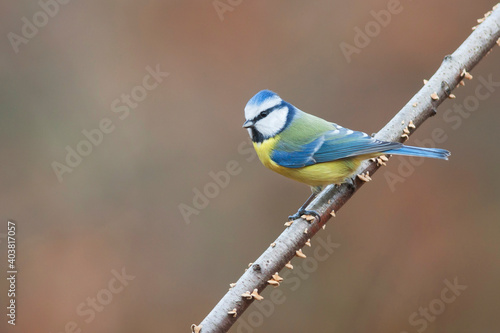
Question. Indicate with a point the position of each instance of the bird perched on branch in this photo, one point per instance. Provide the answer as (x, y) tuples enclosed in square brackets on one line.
[(312, 150)]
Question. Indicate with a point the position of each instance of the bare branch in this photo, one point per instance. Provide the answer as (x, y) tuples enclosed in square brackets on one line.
[(423, 105)]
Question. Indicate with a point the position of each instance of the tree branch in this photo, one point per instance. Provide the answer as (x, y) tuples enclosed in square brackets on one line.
[(332, 198)]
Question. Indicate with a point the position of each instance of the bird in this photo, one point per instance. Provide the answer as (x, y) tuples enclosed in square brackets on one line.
[(311, 150)]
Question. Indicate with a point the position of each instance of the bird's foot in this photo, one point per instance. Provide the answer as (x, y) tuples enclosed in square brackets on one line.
[(309, 215), (350, 182)]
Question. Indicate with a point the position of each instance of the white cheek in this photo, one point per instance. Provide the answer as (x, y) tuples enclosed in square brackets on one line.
[(252, 111), (272, 124)]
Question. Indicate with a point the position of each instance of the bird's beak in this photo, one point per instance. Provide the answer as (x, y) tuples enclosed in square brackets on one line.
[(248, 123)]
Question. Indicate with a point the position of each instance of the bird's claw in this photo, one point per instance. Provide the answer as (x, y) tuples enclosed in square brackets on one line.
[(301, 212), (350, 182)]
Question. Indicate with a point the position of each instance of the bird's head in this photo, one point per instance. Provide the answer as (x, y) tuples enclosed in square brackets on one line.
[(267, 115)]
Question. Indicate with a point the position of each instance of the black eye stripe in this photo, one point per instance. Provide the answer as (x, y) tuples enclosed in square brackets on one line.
[(265, 113), (261, 115)]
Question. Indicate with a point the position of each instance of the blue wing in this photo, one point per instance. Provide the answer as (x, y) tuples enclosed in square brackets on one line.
[(329, 146)]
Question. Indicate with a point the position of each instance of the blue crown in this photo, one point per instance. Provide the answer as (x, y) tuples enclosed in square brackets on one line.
[(261, 96)]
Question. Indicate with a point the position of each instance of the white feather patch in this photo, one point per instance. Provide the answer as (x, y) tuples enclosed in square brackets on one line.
[(252, 110), (273, 123)]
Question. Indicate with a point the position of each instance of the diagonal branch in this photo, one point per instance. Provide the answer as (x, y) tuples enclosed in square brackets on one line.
[(422, 106)]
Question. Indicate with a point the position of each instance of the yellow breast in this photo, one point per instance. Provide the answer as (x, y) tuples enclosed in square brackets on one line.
[(320, 174), (264, 151)]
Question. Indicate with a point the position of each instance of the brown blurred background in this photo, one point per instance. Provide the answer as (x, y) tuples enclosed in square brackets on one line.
[(119, 208)]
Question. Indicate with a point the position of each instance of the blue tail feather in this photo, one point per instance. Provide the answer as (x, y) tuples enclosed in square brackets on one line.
[(420, 151)]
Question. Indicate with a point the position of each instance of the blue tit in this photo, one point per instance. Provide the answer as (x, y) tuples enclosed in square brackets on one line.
[(312, 150)]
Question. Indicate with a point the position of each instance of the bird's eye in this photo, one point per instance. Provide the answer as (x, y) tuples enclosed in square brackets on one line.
[(264, 114)]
